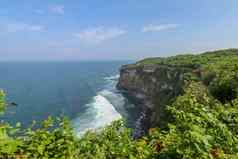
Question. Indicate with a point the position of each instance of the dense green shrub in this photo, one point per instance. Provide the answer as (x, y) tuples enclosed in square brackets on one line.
[(50, 140), (208, 77), (55, 139), (2, 102), (8, 145), (113, 142), (203, 128), (224, 88)]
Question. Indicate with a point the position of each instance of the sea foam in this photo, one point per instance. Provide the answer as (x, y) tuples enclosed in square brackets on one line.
[(101, 111)]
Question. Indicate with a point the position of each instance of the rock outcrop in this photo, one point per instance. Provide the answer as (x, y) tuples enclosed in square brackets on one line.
[(152, 87)]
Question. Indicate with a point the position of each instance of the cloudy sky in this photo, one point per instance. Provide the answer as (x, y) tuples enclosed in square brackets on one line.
[(114, 29)]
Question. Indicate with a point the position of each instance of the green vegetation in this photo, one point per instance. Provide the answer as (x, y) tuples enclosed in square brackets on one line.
[(203, 128), (204, 125), (55, 139), (211, 59)]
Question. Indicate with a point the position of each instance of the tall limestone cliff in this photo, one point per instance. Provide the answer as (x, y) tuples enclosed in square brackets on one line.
[(154, 83), (152, 87)]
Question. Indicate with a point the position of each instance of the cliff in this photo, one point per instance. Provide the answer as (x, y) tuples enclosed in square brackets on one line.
[(152, 87), (154, 83)]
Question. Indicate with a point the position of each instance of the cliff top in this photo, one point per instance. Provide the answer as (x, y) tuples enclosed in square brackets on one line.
[(215, 68), (195, 60), (214, 61)]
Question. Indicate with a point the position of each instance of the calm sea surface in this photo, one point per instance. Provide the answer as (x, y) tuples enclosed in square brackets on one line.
[(84, 91)]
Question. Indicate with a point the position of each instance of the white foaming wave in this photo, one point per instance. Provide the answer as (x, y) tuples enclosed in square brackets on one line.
[(105, 110), (100, 113), (117, 100), (115, 77)]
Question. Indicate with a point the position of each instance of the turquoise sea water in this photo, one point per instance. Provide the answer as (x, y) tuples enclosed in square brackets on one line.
[(83, 91)]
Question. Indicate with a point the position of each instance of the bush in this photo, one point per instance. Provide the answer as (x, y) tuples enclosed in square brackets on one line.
[(9, 146), (55, 139), (224, 88), (203, 128)]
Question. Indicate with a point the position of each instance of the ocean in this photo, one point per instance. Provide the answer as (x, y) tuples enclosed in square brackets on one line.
[(85, 92)]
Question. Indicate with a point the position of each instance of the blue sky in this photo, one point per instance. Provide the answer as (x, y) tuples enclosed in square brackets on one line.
[(113, 29)]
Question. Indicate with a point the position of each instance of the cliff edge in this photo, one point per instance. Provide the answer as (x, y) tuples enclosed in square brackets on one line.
[(154, 83)]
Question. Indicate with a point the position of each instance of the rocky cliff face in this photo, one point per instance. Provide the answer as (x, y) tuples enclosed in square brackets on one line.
[(152, 87)]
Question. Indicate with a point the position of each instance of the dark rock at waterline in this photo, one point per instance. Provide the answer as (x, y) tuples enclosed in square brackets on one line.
[(13, 104)]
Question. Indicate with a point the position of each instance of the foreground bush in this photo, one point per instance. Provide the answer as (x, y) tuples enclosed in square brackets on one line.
[(203, 128), (56, 139)]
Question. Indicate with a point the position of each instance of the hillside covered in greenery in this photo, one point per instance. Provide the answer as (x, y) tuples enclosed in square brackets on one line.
[(204, 121)]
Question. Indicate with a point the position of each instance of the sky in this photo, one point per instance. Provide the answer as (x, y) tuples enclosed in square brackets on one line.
[(43, 30)]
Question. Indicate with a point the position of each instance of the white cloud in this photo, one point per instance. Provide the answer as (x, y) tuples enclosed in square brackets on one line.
[(156, 28), (99, 34), (19, 27), (57, 9)]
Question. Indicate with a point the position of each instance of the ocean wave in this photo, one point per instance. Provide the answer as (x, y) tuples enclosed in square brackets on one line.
[(114, 77), (100, 113), (102, 110), (117, 100)]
